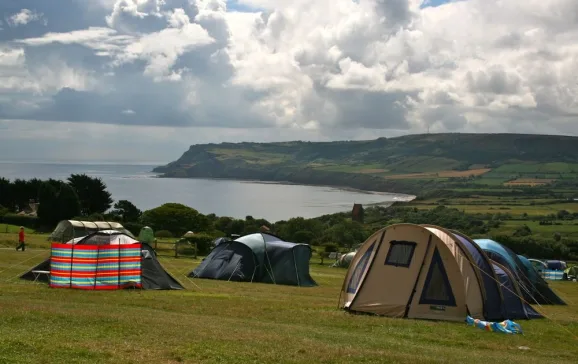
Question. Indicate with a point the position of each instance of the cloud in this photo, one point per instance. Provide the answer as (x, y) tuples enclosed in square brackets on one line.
[(318, 69), (24, 17)]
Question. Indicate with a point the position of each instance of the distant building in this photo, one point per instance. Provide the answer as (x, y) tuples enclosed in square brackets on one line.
[(357, 213)]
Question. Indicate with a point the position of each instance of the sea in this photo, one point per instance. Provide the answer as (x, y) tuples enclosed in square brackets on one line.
[(271, 201)]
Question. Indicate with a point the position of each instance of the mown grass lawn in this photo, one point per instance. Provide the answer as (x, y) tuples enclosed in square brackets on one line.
[(227, 322)]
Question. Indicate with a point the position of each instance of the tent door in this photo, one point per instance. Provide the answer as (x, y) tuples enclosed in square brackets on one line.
[(437, 289)]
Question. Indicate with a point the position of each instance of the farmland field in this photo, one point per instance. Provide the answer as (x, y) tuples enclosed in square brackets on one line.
[(489, 204), (227, 322)]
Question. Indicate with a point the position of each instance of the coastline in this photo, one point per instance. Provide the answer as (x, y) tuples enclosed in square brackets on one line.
[(396, 197)]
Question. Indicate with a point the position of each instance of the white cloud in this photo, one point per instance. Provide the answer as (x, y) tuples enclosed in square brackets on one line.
[(24, 17), (326, 69)]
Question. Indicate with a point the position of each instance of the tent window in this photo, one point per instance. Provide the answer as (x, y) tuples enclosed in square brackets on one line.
[(400, 253), (437, 289), (359, 269)]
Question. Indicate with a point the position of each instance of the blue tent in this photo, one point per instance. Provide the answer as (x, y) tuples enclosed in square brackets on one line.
[(534, 288), (493, 300), (514, 307)]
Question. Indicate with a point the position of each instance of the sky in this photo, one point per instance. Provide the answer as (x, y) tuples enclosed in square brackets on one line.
[(141, 80)]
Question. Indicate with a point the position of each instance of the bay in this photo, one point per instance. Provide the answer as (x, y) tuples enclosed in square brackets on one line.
[(271, 201)]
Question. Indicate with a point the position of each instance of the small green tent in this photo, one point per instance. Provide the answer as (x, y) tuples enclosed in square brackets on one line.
[(146, 235)]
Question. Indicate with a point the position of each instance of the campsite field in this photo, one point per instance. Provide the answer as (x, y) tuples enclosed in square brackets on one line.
[(227, 322)]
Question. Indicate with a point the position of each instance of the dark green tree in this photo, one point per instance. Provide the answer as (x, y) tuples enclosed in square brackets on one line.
[(6, 199), (92, 193), (47, 210), (67, 203), (126, 211), (347, 234), (176, 218)]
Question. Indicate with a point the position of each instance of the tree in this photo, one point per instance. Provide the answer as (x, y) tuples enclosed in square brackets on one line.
[(127, 211), (347, 234), (57, 203), (176, 218), (92, 193), (523, 230), (6, 199), (47, 212), (67, 203), (300, 230)]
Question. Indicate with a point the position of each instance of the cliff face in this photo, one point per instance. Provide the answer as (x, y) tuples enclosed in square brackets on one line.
[(406, 164)]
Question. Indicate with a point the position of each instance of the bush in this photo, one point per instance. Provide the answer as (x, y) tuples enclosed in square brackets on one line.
[(163, 234), (30, 222), (203, 242), (330, 247)]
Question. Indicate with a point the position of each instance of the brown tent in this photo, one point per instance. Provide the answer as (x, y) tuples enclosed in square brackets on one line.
[(405, 270), (473, 283)]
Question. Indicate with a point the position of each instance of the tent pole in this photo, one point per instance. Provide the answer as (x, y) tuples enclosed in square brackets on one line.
[(118, 267), (96, 265), (71, 262), (418, 276), (237, 266), (268, 261), (295, 264)]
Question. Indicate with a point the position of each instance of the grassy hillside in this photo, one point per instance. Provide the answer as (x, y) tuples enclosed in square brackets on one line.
[(408, 164), (229, 322)]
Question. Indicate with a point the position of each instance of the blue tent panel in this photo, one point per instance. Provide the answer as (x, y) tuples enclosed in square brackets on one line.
[(534, 288), (514, 307), (493, 299)]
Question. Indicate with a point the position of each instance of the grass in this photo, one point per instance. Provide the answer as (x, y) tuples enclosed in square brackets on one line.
[(529, 182), (226, 322), (489, 204), (567, 230), (13, 229), (441, 174), (363, 168)]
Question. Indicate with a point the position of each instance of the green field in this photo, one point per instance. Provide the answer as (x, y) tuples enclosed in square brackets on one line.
[(568, 229), (493, 205), (226, 322)]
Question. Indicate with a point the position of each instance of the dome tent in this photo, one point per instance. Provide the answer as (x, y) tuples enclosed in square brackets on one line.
[(429, 272), (404, 270), (344, 260), (534, 288), (93, 256), (146, 235), (259, 257)]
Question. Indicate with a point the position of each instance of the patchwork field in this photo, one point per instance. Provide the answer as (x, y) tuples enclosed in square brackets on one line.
[(529, 182), (511, 205), (442, 174), (227, 322)]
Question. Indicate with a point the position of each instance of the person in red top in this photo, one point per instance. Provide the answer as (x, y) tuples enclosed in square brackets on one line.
[(21, 243)]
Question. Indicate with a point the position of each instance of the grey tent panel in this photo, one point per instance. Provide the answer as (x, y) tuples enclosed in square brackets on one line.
[(70, 229)]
